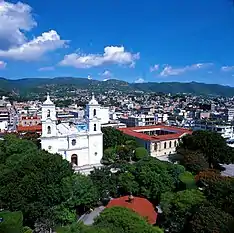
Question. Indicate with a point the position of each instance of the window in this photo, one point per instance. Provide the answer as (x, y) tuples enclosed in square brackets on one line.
[(49, 147), (165, 145), (48, 113), (74, 159), (95, 153), (174, 143), (94, 127), (73, 142), (48, 130), (155, 146), (146, 146), (94, 112), (170, 144)]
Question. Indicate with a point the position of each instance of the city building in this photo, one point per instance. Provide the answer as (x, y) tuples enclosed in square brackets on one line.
[(159, 140), (143, 119), (229, 112), (81, 144), (226, 130), (29, 120)]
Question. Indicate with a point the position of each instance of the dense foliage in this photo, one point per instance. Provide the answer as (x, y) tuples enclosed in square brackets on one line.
[(114, 220), (190, 197), (41, 184), (12, 222), (204, 148)]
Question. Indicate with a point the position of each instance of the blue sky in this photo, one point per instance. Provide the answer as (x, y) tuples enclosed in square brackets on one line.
[(136, 41)]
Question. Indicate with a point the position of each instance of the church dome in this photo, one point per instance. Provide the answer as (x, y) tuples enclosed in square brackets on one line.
[(48, 101)]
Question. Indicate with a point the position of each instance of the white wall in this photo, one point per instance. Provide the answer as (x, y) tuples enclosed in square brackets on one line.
[(104, 115)]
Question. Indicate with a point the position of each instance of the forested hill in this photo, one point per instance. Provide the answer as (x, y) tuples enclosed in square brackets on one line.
[(39, 85)]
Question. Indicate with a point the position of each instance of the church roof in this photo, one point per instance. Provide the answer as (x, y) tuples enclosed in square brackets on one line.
[(48, 101), (93, 101)]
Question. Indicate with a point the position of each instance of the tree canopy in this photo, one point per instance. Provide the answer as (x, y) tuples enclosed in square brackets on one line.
[(178, 207), (206, 145), (209, 219), (42, 185)]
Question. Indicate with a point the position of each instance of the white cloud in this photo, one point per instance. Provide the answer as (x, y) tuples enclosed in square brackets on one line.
[(3, 65), (106, 74), (47, 68), (140, 80), (169, 70), (111, 55), (154, 68), (15, 20), (227, 68), (35, 48)]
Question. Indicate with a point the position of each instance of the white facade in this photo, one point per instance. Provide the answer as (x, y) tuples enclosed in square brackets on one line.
[(80, 144), (104, 112), (226, 131)]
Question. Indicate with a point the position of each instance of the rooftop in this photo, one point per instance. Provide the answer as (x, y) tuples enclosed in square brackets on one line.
[(140, 205), (32, 128), (168, 132)]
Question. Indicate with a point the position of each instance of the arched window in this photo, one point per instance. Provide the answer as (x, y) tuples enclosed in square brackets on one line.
[(94, 112), (170, 144), (73, 142), (74, 159), (48, 130), (94, 127), (165, 145), (155, 146), (175, 143), (48, 113)]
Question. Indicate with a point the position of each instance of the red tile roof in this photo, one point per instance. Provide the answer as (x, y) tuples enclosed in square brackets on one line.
[(140, 205), (137, 132), (32, 128)]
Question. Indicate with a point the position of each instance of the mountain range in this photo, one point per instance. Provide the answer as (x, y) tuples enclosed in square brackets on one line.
[(40, 85)]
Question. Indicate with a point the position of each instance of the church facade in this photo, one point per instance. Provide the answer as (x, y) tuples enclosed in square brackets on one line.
[(81, 144)]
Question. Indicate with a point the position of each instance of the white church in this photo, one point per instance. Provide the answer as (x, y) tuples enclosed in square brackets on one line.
[(80, 144)]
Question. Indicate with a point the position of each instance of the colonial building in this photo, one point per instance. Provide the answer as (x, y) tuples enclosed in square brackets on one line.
[(159, 140), (81, 144)]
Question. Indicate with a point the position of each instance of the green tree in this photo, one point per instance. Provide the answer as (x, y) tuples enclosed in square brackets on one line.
[(30, 179), (140, 153), (188, 180), (109, 156), (125, 220), (153, 177), (178, 207), (63, 215), (212, 146), (113, 137), (124, 153), (221, 194), (127, 184), (105, 182), (193, 161), (79, 192), (27, 230), (12, 222), (209, 219)]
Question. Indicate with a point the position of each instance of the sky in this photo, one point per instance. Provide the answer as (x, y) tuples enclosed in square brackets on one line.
[(136, 41)]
